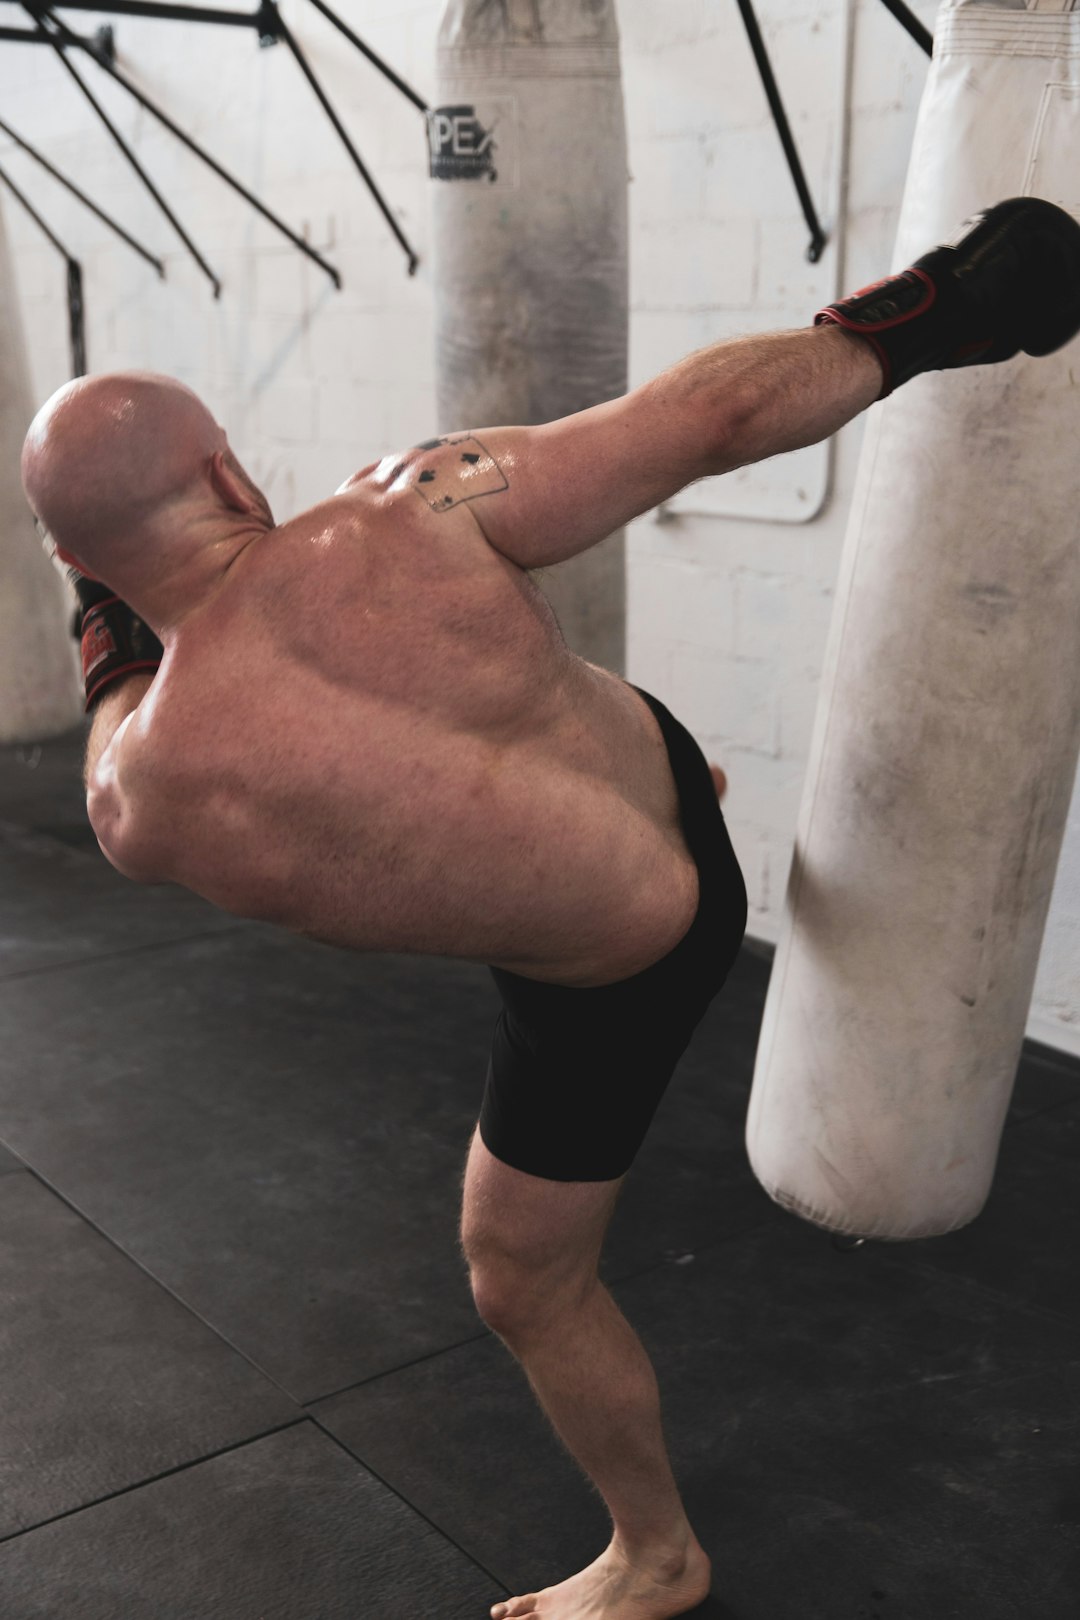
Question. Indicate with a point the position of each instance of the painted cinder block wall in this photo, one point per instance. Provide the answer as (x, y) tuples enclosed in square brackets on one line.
[(727, 615)]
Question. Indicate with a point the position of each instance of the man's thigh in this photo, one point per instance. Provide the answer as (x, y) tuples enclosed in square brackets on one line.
[(517, 1222)]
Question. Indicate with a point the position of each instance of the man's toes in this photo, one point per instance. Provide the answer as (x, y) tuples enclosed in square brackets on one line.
[(519, 1608)]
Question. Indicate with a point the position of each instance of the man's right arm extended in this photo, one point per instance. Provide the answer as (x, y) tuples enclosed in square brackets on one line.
[(543, 494)]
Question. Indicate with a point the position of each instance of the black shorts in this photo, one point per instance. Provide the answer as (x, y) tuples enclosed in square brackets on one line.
[(576, 1075)]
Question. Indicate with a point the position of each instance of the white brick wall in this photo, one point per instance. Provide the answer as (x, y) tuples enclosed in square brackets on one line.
[(727, 619)]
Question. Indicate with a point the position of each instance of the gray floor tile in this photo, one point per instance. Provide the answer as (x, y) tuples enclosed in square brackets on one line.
[(853, 1435), (461, 1437), (287, 1528), (107, 1380), (41, 783), (1026, 1242), (61, 905), (1044, 1080), (275, 1129), (279, 1135)]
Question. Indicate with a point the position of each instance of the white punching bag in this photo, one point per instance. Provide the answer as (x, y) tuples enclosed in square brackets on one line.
[(946, 740), (529, 172), (40, 685)]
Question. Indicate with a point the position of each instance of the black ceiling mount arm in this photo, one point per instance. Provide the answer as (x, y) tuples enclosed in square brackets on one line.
[(102, 40), (75, 318), (818, 238), (260, 20), (60, 38), (74, 282), (168, 13), (271, 27), (376, 61), (922, 36), (192, 145), (273, 18), (84, 199)]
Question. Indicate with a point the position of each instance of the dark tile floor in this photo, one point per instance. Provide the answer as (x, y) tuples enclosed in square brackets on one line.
[(241, 1376)]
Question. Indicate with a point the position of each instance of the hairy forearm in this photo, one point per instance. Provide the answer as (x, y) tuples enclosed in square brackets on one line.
[(111, 709), (775, 392)]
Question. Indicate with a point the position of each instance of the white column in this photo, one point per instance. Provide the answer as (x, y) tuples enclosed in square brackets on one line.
[(40, 688)]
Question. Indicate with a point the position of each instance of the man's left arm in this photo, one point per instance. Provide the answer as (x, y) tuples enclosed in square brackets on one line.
[(107, 775), (111, 710), (120, 657)]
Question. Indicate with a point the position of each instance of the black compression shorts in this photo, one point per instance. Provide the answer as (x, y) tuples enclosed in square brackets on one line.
[(576, 1075)]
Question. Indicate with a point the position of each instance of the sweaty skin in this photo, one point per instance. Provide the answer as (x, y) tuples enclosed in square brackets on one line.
[(367, 726), (373, 733)]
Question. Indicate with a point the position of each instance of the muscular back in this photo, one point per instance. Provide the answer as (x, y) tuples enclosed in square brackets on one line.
[(374, 733)]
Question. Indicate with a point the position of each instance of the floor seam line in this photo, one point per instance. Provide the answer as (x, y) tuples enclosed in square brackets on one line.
[(154, 1479)]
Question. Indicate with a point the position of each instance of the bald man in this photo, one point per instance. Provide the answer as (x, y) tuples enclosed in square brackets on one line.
[(364, 724)]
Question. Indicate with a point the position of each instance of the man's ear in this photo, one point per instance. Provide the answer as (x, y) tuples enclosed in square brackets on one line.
[(228, 487)]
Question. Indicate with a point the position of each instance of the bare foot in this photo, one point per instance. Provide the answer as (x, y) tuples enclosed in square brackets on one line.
[(719, 781), (615, 1589)]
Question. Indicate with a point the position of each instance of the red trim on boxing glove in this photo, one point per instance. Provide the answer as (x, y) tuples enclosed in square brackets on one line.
[(868, 316), (115, 643), (861, 314)]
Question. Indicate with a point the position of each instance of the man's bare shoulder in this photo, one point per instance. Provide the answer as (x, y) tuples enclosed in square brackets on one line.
[(445, 474)]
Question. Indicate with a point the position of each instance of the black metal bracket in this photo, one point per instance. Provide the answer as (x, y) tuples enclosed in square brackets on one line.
[(818, 237), (922, 36), (271, 28), (919, 34), (376, 61), (61, 37), (84, 199), (105, 43), (169, 13), (76, 322), (271, 19)]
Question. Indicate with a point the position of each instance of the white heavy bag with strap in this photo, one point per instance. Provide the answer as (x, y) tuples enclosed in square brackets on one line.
[(530, 183), (946, 741), (40, 684)]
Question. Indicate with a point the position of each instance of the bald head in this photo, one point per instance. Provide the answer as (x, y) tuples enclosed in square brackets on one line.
[(115, 463)]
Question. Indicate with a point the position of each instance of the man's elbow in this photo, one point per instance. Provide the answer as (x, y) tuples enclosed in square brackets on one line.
[(129, 866), (122, 843)]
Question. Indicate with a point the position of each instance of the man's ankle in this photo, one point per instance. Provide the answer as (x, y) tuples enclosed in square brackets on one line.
[(664, 1553)]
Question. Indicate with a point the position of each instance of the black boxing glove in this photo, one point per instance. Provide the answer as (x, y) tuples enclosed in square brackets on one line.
[(1008, 280), (114, 641)]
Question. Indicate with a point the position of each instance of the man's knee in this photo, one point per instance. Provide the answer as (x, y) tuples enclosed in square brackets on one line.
[(516, 1301), (520, 1279), (532, 1246)]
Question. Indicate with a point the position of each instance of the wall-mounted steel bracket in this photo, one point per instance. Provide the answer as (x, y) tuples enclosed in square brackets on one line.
[(271, 28), (818, 238), (70, 185), (76, 322), (922, 36)]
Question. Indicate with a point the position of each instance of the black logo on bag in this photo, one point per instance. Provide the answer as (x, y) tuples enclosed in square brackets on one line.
[(461, 148)]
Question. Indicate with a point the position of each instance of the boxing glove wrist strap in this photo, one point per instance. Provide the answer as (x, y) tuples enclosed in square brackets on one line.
[(115, 643), (913, 324)]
